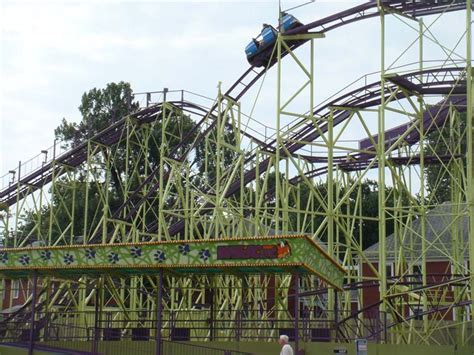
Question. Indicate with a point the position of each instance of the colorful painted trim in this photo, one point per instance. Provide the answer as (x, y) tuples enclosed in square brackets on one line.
[(275, 254)]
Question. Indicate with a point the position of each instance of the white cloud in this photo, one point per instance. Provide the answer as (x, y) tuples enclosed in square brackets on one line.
[(53, 51)]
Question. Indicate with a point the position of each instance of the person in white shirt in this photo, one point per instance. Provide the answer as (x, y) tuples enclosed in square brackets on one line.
[(286, 349)]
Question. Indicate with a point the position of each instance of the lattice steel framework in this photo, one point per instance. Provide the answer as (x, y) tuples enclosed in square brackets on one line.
[(251, 184)]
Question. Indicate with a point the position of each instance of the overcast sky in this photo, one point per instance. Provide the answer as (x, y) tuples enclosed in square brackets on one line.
[(53, 51)]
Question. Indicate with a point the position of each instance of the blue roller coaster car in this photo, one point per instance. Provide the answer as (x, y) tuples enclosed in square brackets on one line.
[(260, 49)]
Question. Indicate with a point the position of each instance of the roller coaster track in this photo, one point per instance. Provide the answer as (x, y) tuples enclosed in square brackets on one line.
[(252, 75), (77, 155), (435, 308), (438, 81), (445, 81)]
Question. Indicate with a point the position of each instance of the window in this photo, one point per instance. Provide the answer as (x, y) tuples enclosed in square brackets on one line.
[(466, 313), (15, 289), (417, 272), (417, 311), (389, 270)]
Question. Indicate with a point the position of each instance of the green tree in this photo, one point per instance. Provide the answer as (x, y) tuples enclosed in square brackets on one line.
[(444, 143), (370, 205), (207, 167), (101, 108)]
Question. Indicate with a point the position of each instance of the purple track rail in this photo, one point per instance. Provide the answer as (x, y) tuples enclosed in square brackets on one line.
[(364, 97), (113, 134)]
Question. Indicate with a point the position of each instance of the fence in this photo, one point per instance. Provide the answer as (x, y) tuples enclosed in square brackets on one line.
[(196, 325)]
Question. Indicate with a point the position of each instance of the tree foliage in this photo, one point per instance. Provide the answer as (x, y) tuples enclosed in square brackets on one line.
[(365, 229), (444, 141), (99, 109)]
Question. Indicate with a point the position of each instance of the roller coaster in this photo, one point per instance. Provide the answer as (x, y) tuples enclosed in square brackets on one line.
[(301, 182)]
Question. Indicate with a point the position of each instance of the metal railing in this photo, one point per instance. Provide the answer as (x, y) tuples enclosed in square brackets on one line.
[(198, 325)]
